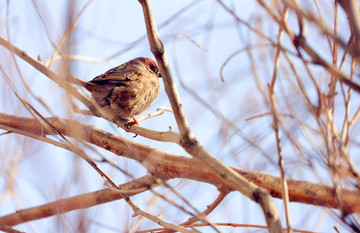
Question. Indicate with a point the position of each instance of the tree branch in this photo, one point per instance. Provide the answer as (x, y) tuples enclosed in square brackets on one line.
[(168, 166), (80, 201)]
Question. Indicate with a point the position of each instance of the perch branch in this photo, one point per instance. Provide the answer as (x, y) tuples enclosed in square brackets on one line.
[(168, 166)]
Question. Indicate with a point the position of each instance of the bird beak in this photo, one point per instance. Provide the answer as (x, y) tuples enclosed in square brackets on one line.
[(159, 75)]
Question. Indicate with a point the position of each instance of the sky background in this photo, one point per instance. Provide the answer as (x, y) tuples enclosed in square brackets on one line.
[(114, 31)]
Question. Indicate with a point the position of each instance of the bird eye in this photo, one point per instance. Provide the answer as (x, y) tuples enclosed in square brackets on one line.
[(153, 68)]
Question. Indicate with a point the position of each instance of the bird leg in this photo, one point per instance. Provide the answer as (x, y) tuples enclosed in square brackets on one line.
[(135, 122)]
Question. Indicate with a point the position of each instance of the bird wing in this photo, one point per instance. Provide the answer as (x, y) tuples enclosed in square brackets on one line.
[(119, 76)]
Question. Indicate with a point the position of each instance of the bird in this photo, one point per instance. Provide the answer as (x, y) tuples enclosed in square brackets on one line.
[(126, 90)]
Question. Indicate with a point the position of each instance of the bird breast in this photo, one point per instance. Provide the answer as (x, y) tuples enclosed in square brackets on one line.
[(134, 98)]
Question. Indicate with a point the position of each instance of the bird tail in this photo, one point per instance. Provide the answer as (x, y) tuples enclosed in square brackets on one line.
[(87, 85)]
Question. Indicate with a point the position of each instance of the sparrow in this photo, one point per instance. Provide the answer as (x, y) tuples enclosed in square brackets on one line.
[(126, 90)]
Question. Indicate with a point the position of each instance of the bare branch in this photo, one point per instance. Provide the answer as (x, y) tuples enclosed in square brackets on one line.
[(79, 202), (169, 166)]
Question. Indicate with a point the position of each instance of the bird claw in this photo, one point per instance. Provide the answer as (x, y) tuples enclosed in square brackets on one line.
[(128, 126), (130, 123)]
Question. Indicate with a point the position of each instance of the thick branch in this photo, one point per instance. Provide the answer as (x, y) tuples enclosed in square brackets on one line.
[(168, 166)]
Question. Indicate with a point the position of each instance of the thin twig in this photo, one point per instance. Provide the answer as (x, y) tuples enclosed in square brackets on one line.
[(79, 58), (8, 229), (318, 8), (138, 211), (232, 56), (202, 216), (66, 35), (355, 117), (285, 193), (26, 85), (342, 148), (333, 80), (225, 224), (208, 210), (158, 112)]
